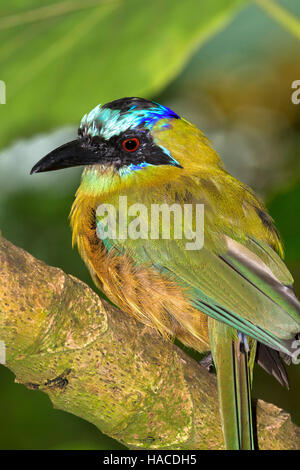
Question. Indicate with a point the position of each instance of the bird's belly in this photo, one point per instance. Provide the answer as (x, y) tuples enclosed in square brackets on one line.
[(148, 295)]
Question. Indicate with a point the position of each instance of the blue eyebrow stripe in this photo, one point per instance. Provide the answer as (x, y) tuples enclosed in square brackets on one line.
[(107, 122)]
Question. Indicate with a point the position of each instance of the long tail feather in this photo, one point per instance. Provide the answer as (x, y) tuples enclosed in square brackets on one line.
[(234, 362), (241, 357)]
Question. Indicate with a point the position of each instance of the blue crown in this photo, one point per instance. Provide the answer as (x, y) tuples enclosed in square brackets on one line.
[(120, 115)]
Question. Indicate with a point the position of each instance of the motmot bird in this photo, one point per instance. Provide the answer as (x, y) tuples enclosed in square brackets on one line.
[(233, 297)]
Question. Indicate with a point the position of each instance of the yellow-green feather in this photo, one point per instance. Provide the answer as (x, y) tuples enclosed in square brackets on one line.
[(219, 279)]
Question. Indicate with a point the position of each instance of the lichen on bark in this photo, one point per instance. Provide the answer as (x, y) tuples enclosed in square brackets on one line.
[(96, 362)]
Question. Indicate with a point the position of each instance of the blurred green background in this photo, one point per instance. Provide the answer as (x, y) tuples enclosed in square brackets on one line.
[(226, 65)]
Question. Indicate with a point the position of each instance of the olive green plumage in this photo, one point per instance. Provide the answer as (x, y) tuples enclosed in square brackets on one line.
[(141, 150)]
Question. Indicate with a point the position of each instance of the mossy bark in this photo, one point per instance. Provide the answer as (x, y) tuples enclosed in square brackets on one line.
[(96, 362)]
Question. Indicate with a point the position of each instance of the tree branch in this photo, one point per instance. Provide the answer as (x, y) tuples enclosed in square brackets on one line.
[(98, 363)]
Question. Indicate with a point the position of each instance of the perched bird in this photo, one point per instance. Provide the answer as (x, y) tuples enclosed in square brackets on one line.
[(231, 295)]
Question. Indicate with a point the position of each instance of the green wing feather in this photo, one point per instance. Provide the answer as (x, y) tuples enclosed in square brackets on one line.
[(237, 277), (224, 293)]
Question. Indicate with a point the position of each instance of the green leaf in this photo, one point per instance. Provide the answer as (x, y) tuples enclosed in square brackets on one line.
[(60, 60), (289, 21)]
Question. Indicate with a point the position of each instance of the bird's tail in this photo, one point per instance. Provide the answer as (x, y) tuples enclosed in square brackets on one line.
[(234, 358)]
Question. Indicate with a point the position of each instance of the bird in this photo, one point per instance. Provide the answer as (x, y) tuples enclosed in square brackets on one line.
[(230, 294)]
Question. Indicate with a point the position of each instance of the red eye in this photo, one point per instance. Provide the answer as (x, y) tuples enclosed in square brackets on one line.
[(131, 145)]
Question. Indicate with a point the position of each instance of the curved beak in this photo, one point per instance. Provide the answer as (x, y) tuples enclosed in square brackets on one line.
[(66, 156)]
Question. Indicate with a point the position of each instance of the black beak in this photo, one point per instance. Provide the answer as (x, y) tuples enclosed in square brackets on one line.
[(73, 153)]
